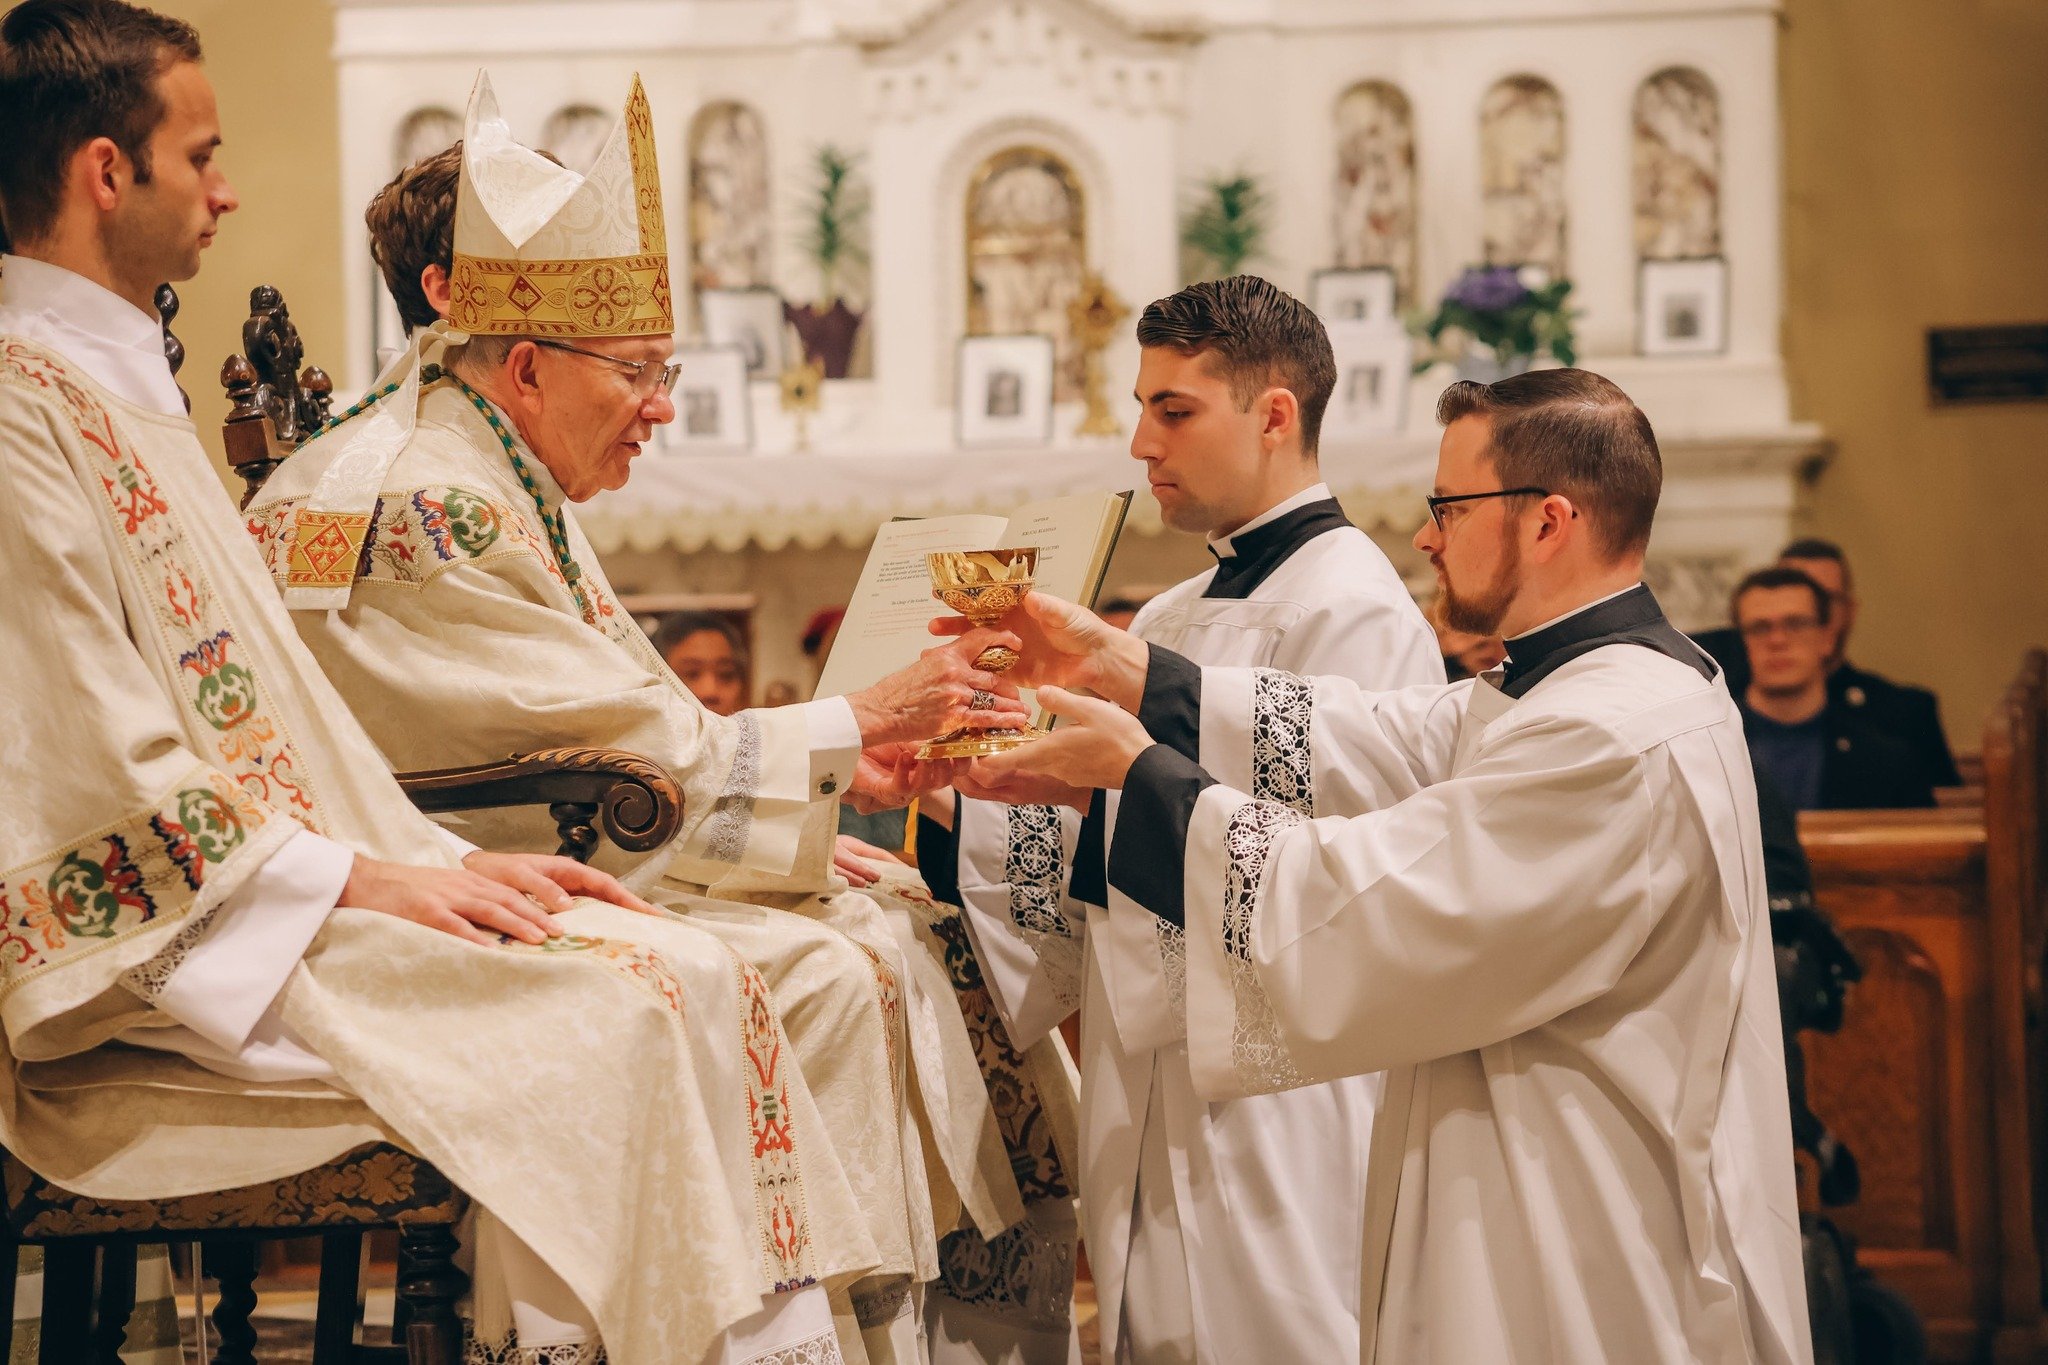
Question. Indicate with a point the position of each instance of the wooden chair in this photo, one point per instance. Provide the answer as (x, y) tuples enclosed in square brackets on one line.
[(634, 801)]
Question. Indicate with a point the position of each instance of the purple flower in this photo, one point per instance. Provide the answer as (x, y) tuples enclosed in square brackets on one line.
[(1487, 289)]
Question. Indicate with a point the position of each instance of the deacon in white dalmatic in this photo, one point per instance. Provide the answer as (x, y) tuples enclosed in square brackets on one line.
[(1216, 1232), (1534, 899)]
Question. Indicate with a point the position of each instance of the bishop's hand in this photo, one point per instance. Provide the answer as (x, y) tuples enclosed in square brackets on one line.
[(890, 777), (1095, 746), (1068, 646), (942, 692)]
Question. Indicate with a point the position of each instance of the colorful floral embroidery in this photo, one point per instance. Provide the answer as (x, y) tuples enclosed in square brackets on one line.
[(414, 534), (889, 998), (150, 867), (220, 685), (782, 1210)]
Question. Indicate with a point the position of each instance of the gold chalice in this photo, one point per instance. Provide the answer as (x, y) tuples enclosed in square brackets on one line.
[(984, 586)]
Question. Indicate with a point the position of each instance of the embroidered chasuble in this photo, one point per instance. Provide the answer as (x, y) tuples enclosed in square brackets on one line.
[(168, 733), (1536, 901), (462, 640), (1193, 1211)]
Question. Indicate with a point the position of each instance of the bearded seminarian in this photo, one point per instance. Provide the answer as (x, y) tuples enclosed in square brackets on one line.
[(1534, 899)]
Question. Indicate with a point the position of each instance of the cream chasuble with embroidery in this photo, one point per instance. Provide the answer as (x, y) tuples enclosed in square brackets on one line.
[(1542, 913), (176, 734), (1227, 1226), (462, 642)]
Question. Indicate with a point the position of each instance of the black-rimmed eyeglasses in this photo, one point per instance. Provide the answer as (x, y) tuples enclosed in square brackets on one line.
[(662, 376), (1437, 504)]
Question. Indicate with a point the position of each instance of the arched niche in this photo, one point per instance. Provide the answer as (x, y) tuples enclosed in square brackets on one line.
[(422, 133), (576, 133), (1677, 166), (731, 224), (1521, 168), (1026, 252), (1374, 190)]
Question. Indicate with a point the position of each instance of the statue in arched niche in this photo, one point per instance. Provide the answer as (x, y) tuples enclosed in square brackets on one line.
[(1375, 186), (1677, 166), (1521, 152), (1027, 253), (576, 134), (730, 228), (422, 133)]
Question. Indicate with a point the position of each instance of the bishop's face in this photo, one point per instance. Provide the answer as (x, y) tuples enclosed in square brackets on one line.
[(588, 420), (1477, 549)]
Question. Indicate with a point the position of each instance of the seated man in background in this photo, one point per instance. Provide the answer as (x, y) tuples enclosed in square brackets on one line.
[(481, 617), (706, 653), (1911, 715), (1817, 755)]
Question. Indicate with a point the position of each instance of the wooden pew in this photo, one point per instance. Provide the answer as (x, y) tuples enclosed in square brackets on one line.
[(1936, 1080)]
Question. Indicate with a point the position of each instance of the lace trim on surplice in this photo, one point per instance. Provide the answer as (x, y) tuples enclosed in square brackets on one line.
[(1257, 1050), (1034, 866), (732, 814)]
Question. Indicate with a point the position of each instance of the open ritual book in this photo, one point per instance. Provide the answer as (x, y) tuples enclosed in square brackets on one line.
[(885, 625)]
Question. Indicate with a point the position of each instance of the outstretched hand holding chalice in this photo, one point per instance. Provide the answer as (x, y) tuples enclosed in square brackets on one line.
[(1065, 651)]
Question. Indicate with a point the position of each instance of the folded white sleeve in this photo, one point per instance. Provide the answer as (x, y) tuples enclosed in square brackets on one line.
[(229, 979), (835, 744)]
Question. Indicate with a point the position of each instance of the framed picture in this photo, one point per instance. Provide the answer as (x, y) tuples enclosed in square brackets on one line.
[(714, 415), (1353, 295), (1682, 307), (749, 320), (1375, 361), (1004, 390)]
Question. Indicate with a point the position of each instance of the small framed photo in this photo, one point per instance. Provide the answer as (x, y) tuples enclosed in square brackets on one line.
[(714, 415), (1004, 390), (1375, 361), (1682, 307), (1353, 295), (749, 320)]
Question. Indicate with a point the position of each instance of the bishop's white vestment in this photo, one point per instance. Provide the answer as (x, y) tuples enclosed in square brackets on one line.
[(175, 749), (1216, 1232), (1536, 902), (461, 641)]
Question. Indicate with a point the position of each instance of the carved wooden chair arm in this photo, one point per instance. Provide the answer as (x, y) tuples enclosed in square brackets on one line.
[(635, 800)]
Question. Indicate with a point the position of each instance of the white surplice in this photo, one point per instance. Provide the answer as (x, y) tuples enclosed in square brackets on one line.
[(1544, 919), (1215, 1232)]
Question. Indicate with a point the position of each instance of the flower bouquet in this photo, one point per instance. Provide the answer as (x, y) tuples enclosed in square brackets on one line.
[(1493, 308)]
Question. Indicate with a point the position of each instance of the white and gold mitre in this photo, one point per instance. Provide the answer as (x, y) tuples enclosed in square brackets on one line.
[(543, 251)]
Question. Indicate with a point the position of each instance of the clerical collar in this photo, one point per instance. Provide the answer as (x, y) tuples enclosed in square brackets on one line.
[(1248, 556), (118, 344), (1631, 616)]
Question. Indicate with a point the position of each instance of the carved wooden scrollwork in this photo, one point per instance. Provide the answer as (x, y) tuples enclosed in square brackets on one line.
[(636, 801)]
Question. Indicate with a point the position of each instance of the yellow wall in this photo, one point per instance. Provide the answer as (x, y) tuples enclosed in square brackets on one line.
[(1916, 173), (276, 82)]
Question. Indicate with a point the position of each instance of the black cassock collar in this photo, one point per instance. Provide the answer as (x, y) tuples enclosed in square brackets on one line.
[(1632, 618), (1256, 553)]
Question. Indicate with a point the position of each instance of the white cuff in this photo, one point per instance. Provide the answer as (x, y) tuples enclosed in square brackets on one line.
[(460, 846), (257, 936), (835, 745)]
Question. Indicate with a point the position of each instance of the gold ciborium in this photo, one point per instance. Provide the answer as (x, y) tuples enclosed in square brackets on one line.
[(984, 586)]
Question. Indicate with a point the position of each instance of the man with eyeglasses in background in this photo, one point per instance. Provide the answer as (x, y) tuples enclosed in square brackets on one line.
[(1818, 756)]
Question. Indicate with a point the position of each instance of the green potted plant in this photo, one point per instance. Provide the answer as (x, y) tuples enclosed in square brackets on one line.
[(833, 238), (1223, 227), (1492, 324)]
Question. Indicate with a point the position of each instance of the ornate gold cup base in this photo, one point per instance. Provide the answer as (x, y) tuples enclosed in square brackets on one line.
[(965, 743)]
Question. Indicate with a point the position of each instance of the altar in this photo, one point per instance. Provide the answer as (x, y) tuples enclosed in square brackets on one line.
[(994, 155)]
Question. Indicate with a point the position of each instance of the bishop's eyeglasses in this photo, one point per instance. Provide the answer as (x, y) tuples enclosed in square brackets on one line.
[(1437, 504), (646, 375)]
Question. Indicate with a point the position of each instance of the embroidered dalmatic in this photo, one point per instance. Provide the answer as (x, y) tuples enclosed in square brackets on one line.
[(166, 733), (462, 641), (1222, 1231), (1541, 912)]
